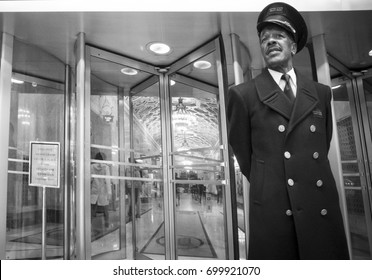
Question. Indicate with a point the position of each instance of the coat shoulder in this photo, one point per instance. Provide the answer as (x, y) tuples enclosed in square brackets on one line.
[(243, 91), (243, 87), (321, 87), (317, 85), (323, 91)]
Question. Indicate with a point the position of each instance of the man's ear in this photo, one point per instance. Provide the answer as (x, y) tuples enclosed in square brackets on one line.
[(294, 49)]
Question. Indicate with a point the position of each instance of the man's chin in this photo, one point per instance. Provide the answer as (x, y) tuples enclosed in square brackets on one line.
[(274, 61)]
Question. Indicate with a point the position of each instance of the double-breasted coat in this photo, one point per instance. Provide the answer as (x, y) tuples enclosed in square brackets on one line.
[(282, 149)]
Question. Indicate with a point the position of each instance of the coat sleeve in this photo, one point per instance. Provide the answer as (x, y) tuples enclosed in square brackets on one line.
[(239, 129)]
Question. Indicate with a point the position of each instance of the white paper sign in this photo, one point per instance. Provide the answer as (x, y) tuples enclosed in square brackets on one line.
[(44, 168)]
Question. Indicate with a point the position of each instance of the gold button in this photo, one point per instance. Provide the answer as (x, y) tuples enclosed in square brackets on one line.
[(281, 128), (316, 155), (319, 183), (288, 212), (312, 128), (290, 182), (323, 212), (287, 155)]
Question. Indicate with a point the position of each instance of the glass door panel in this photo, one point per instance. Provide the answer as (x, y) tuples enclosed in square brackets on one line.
[(104, 168), (146, 190), (197, 161), (126, 145), (110, 146), (37, 114), (352, 162)]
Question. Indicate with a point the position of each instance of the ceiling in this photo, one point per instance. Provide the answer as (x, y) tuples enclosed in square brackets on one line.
[(348, 37), (348, 34)]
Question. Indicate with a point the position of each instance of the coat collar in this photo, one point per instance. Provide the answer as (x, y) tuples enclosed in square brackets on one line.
[(270, 94)]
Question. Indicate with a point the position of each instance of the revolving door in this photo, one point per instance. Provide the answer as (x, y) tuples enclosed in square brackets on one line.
[(158, 157)]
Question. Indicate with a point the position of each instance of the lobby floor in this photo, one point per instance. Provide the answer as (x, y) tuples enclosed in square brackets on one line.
[(199, 226)]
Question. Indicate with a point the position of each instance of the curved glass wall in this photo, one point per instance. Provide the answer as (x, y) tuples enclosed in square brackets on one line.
[(37, 114)]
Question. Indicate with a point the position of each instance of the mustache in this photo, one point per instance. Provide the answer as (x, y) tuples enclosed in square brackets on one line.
[(272, 48)]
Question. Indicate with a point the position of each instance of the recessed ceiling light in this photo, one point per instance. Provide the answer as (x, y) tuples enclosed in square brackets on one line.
[(172, 83), (159, 48), (202, 64), (15, 81), (129, 71), (370, 53)]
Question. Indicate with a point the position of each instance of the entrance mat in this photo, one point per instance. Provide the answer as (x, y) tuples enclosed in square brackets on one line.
[(54, 236), (192, 238)]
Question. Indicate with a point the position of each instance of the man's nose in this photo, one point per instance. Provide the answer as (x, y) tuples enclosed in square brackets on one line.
[(270, 43), (271, 40)]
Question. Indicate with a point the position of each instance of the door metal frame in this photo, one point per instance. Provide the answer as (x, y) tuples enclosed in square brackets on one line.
[(169, 225), (5, 97), (236, 46), (92, 51), (231, 222)]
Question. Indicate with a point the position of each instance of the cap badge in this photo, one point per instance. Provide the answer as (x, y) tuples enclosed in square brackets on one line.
[(275, 9)]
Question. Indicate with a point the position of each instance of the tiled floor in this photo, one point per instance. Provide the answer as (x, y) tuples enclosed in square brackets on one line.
[(203, 235), (210, 216)]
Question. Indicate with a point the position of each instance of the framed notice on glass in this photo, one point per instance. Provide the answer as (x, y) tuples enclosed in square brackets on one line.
[(44, 164)]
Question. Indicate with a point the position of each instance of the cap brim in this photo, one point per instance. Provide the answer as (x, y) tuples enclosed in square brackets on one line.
[(282, 23)]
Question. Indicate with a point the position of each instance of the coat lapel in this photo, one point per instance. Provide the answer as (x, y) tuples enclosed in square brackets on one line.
[(306, 100), (271, 95)]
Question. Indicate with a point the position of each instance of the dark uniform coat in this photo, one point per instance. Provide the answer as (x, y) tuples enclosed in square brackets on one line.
[(282, 150)]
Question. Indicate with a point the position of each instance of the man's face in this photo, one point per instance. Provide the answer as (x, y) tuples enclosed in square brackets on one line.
[(277, 47)]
